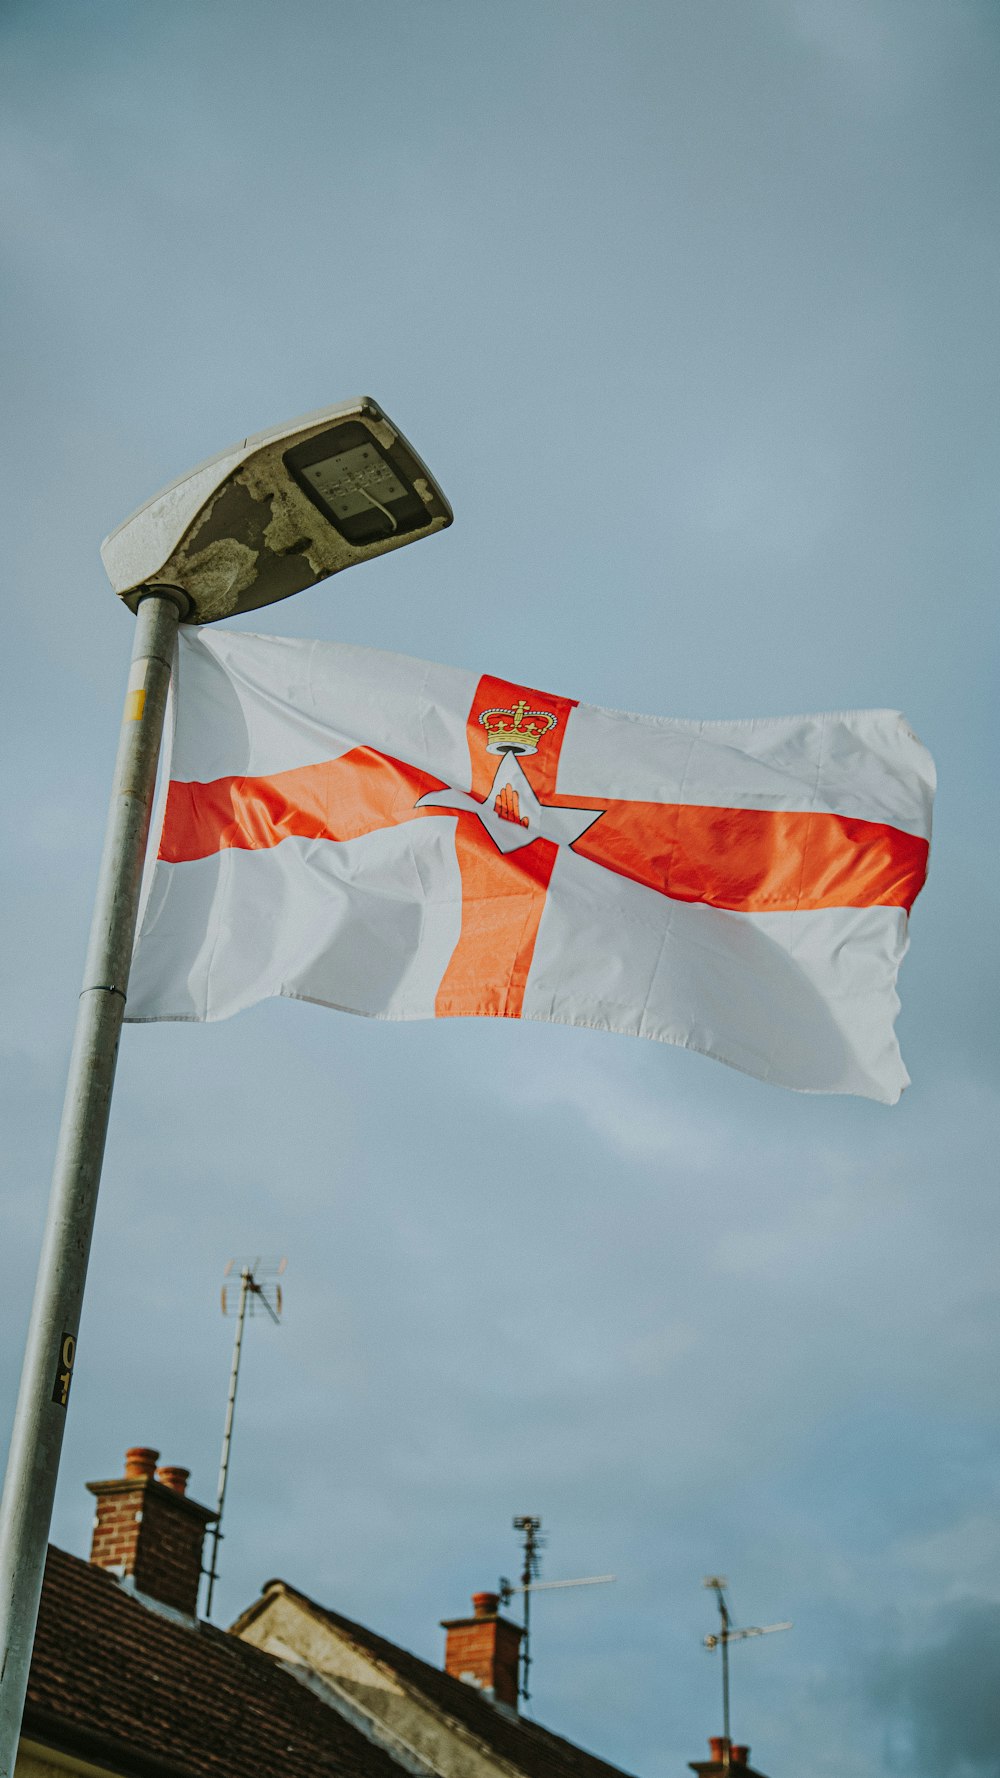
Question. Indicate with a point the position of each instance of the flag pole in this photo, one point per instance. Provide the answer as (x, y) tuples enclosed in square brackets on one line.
[(40, 1415)]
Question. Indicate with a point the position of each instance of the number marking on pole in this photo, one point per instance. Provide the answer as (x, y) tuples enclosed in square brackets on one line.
[(64, 1370)]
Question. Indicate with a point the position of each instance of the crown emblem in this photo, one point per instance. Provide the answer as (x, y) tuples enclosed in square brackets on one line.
[(517, 729)]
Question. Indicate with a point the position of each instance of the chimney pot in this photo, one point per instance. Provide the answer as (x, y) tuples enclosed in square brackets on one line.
[(173, 1478), (485, 1604), (738, 1755), (140, 1462), (717, 1748)]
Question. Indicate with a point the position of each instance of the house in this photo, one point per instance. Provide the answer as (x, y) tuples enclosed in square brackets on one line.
[(459, 1723), (127, 1682), (123, 1685)]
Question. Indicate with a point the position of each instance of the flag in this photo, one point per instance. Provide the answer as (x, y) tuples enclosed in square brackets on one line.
[(408, 841)]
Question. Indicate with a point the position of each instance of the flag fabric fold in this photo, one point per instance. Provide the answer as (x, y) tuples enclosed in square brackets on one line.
[(406, 841)]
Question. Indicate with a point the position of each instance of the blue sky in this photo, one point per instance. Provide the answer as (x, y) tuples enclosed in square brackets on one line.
[(692, 308)]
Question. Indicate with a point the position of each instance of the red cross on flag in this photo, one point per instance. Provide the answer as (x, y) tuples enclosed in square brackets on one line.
[(411, 841)]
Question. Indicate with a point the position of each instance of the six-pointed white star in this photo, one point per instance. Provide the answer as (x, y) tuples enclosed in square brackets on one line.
[(534, 820)]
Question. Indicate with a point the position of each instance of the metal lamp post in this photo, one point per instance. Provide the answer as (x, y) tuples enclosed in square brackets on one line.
[(266, 519)]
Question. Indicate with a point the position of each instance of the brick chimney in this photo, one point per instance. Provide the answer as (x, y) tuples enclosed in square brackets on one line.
[(716, 1767), (147, 1529), (483, 1649)]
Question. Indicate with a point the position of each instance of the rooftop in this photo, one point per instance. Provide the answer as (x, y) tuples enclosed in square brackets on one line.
[(120, 1682), (526, 1745)]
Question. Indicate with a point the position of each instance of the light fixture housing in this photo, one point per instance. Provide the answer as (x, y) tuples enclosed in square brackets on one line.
[(279, 512)]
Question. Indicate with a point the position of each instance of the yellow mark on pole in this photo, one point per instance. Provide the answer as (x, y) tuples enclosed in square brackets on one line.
[(135, 692)]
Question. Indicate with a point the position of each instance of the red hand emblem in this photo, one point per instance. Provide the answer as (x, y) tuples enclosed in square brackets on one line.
[(508, 807)]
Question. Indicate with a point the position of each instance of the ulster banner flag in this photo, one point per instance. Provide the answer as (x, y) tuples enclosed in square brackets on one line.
[(412, 841)]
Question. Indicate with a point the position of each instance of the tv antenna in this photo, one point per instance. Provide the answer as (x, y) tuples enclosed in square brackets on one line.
[(258, 1292), (717, 1584), (530, 1527)]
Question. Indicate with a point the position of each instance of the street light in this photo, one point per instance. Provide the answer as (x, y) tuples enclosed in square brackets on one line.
[(267, 518), (278, 513)]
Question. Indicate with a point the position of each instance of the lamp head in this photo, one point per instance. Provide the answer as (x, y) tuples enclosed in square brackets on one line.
[(278, 513)]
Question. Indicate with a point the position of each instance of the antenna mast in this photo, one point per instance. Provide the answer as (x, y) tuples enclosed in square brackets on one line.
[(531, 1530), (534, 1543), (717, 1583), (259, 1291)]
